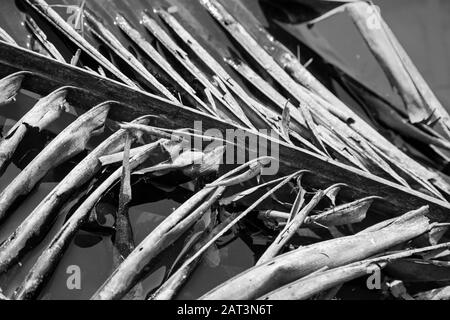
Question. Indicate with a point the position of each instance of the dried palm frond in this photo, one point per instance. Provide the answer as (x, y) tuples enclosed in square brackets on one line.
[(348, 174)]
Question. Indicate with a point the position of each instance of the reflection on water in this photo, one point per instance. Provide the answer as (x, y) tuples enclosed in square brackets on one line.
[(94, 261), (217, 266)]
